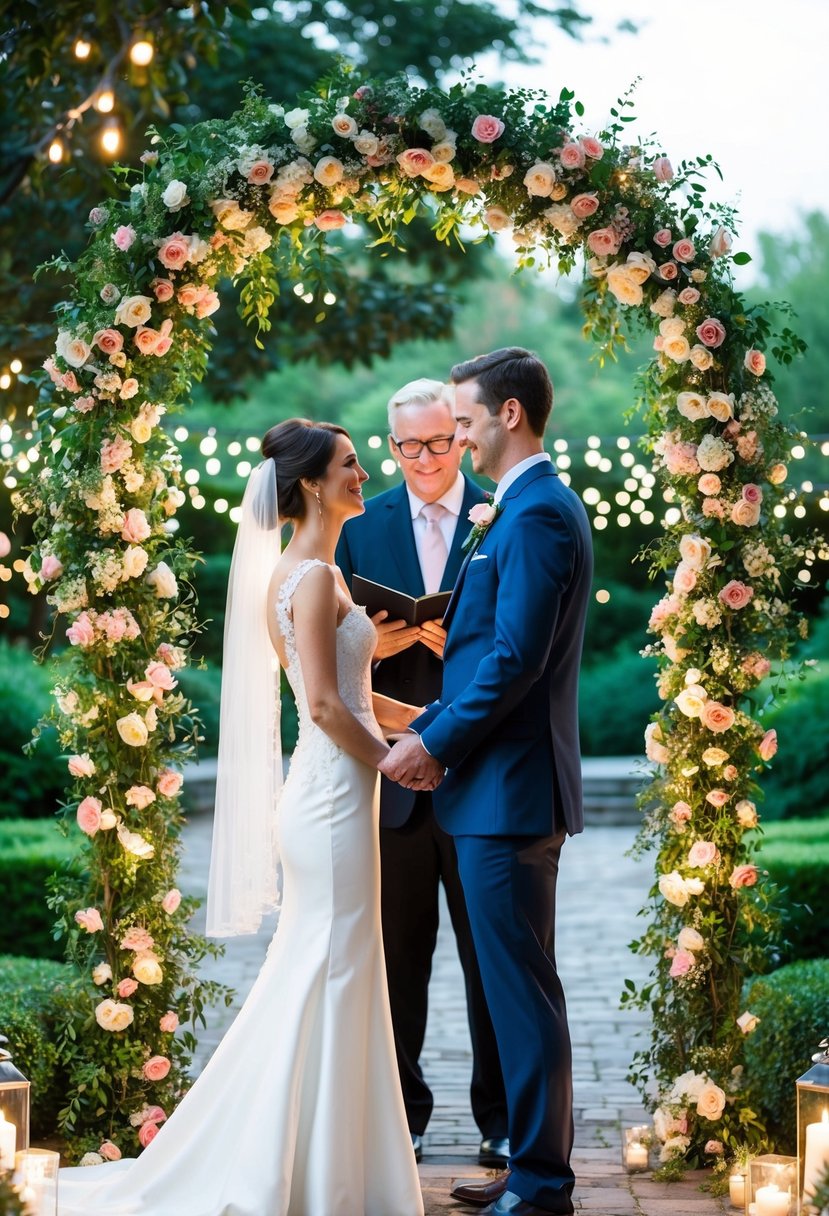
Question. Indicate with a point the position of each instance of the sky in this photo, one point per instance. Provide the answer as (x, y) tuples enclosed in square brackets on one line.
[(746, 80)]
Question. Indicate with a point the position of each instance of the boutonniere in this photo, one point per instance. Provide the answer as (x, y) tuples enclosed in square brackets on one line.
[(482, 516)]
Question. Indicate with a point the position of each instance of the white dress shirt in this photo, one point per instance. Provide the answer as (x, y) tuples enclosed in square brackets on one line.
[(451, 501), (515, 472)]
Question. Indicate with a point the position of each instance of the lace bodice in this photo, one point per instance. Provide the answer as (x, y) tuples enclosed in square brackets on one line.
[(356, 638)]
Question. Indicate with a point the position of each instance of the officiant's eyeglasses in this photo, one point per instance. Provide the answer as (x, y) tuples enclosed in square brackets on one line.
[(411, 448)]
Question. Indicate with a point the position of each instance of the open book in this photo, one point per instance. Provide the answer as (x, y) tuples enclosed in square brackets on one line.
[(414, 610)]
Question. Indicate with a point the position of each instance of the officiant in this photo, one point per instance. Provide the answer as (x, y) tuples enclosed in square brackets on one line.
[(410, 539)]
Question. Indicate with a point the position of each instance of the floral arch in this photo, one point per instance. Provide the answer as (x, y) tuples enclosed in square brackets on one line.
[(241, 199)]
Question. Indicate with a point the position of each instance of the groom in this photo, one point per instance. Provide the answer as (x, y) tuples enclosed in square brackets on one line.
[(506, 731)]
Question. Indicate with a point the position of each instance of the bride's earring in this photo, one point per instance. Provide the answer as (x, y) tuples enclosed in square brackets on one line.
[(319, 503)]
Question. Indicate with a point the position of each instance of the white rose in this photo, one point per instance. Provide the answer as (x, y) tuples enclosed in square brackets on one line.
[(692, 406), (664, 304), (296, 118), (163, 581), (108, 820), (674, 1147), (328, 171), (344, 125), (132, 730), (688, 1085), (303, 139), (622, 286), (694, 886), (721, 406), (540, 179), (444, 151), (689, 939), (672, 887), (135, 561), (695, 552), (672, 327), (147, 969), (113, 1015), (701, 357), (134, 842), (711, 1101), (691, 700), (366, 143), (101, 974), (134, 311), (175, 196), (560, 217), (432, 123)]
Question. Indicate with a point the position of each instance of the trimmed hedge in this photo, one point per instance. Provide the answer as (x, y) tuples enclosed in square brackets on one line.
[(33, 996), (796, 854), (793, 1007), (797, 785), (32, 784), (31, 851), (619, 678)]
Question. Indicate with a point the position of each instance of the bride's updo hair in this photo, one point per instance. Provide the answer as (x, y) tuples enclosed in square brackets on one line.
[(299, 448)]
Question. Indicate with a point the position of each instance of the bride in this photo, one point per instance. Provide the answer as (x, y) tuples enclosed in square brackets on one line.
[(299, 1111)]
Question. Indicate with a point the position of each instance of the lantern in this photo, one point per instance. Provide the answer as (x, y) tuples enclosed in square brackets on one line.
[(36, 1180), (14, 1109), (771, 1186), (635, 1143), (813, 1125)]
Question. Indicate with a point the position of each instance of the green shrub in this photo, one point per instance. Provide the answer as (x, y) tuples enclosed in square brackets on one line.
[(793, 1007), (622, 678), (33, 997), (30, 852), (32, 784), (796, 854), (797, 785), (204, 687)]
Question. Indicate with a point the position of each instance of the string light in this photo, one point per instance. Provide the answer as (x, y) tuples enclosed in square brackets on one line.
[(16, 366), (600, 523), (563, 462), (220, 506), (213, 466), (329, 298), (243, 468), (82, 48), (252, 443), (180, 434), (111, 139), (798, 451), (593, 441), (591, 496), (388, 467), (208, 445), (56, 151), (191, 476), (602, 597), (105, 101), (234, 449), (5, 380), (560, 445), (374, 441), (141, 53)]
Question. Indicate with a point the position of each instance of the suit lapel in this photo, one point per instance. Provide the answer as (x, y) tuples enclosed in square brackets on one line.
[(403, 551)]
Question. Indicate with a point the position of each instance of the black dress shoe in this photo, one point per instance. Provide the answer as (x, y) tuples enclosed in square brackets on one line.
[(511, 1204), (479, 1194), (494, 1152), (417, 1145)]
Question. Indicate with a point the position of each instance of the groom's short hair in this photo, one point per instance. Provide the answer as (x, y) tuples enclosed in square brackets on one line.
[(510, 372)]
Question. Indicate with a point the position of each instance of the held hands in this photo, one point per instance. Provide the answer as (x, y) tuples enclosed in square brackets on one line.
[(396, 636), (409, 764)]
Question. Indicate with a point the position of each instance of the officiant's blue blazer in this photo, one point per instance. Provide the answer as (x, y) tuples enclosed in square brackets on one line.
[(506, 722), (380, 545)]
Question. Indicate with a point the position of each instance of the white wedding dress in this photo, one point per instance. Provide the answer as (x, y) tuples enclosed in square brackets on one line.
[(299, 1111)]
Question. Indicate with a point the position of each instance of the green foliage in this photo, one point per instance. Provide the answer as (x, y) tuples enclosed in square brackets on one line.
[(792, 1005), (32, 783), (10, 1202), (796, 854), (798, 784), (31, 851), (34, 996), (620, 678)]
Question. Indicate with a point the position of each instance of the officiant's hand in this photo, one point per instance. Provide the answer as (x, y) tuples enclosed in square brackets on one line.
[(392, 636), (434, 636), (409, 764)]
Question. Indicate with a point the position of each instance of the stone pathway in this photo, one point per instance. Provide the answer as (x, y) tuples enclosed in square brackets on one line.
[(600, 892)]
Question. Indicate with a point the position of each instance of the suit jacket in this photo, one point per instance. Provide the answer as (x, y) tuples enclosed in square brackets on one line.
[(380, 545), (506, 723)]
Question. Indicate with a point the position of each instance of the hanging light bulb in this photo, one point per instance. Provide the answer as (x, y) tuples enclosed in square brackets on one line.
[(56, 151), (111, 139), (82, 48), (16, 366), (141, 52), (105, 101)]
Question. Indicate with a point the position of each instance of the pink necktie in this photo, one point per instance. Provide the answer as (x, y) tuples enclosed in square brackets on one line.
[(433, 552)]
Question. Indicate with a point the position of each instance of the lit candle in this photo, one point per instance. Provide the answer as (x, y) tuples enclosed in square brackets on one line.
[(8, 1143), (737, 1190), (771, 1201), (817, 1155), (637, 1155)]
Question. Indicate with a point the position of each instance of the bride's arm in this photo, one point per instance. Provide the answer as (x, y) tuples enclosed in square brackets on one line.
[(315, 629), (394, 715)]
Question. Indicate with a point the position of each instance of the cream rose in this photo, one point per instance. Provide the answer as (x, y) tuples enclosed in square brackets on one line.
[(690, 939), (678, 349), (134, 311), (711, 1101), (135, 561), (147, 969), (132, 730), (344, 125), (746, 813), (328, 171), (701, 358), (175, 196), (673, 888), (540, 179), (744, 513), (626, 290), (691, 406), (113, 1016), (695, 551), (691, 700), (721, 406)]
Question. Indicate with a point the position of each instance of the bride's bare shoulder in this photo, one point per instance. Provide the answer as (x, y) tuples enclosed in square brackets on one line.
[(317, 574)]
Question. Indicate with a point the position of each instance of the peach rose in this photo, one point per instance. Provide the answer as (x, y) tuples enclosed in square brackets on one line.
[(329, 221), (717, 798), (414, 160), (137, 938), (711, 1101), (711, 332), (113, 1016), (736, 595), (133, 311), (135, 527), (147, 1133), (685, 579), (701, 358), (768, 745), (328, 171), (89, 919), (283, 210), (497, 219), (168, 1022), (127, 987), (260, 172), (721, 406), (717, 718), (171, 901), (156, 1068), (679, 814), (101, 974), (668, 272), (777, 474), (604, 242), (110, 341), (174, 252), (689, 939), (146, 340), (133, 730), (663, 169), (583, 205), (81, 766), (139, 796), (743, 876), (695, 551), (655, 749), (486, 129), (147, 969), (745, 513), (746, 813), (128, 389), (702, 853), (571, 156), (160, 676), (755, 362), (162, 289), (169, 783), (540, 179), (592, 147), (688, 296), (88, 815), (110, 1151)]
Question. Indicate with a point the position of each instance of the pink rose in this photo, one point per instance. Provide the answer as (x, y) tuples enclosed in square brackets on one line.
[(137, 939), (189, 294), (684, 250), (156, 1068), (714, 1147), (745, 513), (147, 1133), (717, 798), (685, 579), (572, 156), (159, 676), (110, 341), (756, 665), (51, 567), (328, 221), (169, 783), (709, 483), (755, 362), (592, 147), (711, 332), (209, 302), (667, 271), (97, 216), (84, 404), (168, 1022), (162, 289), (681, 964), (414, 160), (713, 508), (730, 772), (129, 388), (81, 766), (123, 237), (174, 252), (135, 527), (768, 745), (486, 129), (69, 381), (680, 814), (743, 876), (482, 514), (583, 205), (5, 545), (736, 595), (662, 237), (720, 243), (702, 853), (81, 631), (139, 796), (663, 170), (127, 986), (146, 339), (171, 901), (716, 717), (688, 295), (110, 1151), (604, 242), (752, 493), (260, 172), (89, 919), (88, 815), (150, 1114)]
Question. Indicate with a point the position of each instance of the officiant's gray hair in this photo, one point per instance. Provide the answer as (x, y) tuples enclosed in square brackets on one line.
[(420, 392)]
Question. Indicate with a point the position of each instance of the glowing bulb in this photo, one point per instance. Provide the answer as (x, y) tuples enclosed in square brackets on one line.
[(329, 298), (17, 367), (234, 448), (105, 101), (5, 380), (591, 496), (213, 466), (563, 462), (141, 53), (560, 445), (243, 468), (252, 443), (55, 151), (602, 597), (191, 476), (180, 434), (388, 467), (111, 140), (798, 451), (82, 48), (374, 441), (220, 506), (208, 445), (600, 522), (593, 441)]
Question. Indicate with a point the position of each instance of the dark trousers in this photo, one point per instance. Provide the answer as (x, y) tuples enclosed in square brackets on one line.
[(415, 859), (510, 885)]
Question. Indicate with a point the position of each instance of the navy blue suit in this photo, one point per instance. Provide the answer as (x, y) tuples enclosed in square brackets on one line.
[(416, 854), (506, 727)]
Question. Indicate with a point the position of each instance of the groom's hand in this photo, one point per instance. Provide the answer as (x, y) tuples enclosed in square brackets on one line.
[(410, 765), (392, 636), (433, 635)]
